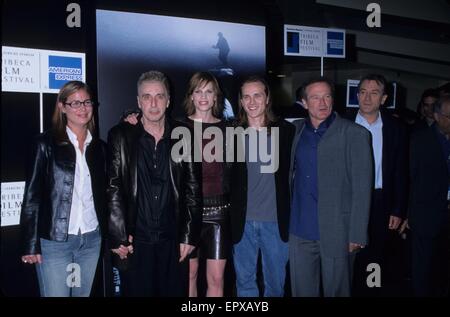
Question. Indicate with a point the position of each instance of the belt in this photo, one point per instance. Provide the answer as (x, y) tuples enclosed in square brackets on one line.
[(218, 211), (216, 201), (215, 205)]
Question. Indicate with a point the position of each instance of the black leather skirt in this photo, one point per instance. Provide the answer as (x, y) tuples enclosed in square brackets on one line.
[(215, 241)]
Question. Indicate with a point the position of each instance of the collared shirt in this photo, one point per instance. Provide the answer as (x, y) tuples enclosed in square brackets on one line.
[(155, 209), (376, 129), (83, 217), (305, 220)]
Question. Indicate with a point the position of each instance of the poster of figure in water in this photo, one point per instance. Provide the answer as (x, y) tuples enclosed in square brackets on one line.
[(129, 44)]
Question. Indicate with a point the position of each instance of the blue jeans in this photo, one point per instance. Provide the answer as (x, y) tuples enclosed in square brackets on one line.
[(262, 236), (68, 268)]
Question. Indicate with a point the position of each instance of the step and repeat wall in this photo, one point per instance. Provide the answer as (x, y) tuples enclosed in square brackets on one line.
[(43, 47), (31, 79)]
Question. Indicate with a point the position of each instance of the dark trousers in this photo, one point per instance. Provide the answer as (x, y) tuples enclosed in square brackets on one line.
[(155, 271), (429, 264), (375, 251)]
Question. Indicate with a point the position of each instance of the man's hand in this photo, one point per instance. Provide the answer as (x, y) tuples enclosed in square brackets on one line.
[(394, 222), (354, 246), (403, 227), (132, 118), (123, 251), (185, 250), (32, 258)]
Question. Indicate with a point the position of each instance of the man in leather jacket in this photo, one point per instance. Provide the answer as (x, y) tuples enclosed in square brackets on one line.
[(154, 199)]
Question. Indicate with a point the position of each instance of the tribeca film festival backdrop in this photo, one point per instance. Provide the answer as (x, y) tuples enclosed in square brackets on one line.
[(110, 43), (31, 78)]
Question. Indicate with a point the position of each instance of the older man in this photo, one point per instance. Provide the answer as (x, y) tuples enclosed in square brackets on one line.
[(154, 200), (331, 184), (389, 196)]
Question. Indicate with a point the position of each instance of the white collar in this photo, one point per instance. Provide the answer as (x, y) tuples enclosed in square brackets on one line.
[(360, 119), (73, 138)]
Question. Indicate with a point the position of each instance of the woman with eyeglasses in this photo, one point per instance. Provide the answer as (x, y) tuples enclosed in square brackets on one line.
[(65, 198)]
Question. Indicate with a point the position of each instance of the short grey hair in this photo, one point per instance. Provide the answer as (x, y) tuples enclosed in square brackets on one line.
[(154, 75)]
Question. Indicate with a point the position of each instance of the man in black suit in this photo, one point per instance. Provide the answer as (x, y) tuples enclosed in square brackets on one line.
[(389, 197), (425, 109), (428, 216)]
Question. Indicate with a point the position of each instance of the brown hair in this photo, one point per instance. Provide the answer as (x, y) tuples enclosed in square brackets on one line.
[(201, 79), (269, 117), (59, 119), (316, 80)]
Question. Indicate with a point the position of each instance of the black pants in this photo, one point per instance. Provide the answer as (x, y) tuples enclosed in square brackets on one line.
[(429, 264), (375, 251), (155, 271)]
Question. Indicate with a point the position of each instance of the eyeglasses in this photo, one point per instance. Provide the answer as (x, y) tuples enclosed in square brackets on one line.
[(76, 104)]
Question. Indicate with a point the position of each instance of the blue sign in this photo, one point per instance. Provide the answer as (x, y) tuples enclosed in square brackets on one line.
[(335, 43), (62, 69), (292, 42), (300, 40)]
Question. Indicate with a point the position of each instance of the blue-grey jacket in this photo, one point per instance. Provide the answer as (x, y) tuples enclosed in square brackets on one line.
[(345, 181)]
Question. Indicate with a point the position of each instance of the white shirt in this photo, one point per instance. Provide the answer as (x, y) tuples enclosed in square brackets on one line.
[(82, 212), (376, 129)]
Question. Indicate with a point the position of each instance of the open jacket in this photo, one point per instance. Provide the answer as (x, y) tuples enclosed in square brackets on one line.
[(239, 185), (394, 165), (49, 185), (345, 180), (185, 178)]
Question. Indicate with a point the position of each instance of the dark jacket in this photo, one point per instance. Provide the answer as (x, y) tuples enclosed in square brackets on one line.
[(122, 187), (428, 213), (239, 186), (394, 165), (49, 185)]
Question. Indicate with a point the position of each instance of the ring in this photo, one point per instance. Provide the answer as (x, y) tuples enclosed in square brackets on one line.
[(25, 261)]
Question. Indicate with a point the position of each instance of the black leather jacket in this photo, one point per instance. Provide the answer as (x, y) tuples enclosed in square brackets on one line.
[(122, 188), (49, 185)]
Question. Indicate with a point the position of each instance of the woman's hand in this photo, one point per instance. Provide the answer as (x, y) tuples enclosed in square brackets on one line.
[(32, 258)]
